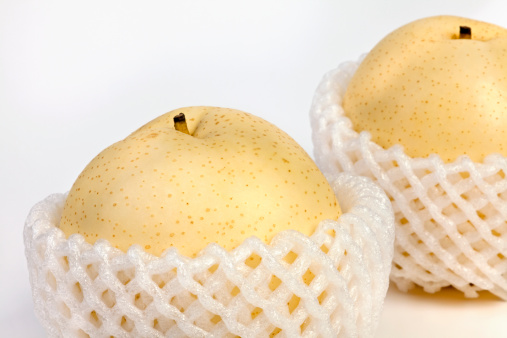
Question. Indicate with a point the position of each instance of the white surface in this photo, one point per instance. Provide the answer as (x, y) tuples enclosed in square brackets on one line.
[(78, 76), (445, 314)]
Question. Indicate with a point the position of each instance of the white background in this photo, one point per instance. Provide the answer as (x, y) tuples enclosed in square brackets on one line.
[(76, 76)]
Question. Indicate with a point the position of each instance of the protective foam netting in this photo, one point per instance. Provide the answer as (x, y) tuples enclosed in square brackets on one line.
[(450, 219), (330, 284)]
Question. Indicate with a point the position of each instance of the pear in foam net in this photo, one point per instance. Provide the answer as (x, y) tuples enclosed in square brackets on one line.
[(210, 221), (424, 114)]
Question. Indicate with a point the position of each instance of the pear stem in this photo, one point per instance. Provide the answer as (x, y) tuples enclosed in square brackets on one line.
[(465, 32), (180, 123)]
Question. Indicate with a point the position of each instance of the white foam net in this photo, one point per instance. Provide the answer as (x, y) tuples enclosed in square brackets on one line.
[(450, 219), (330, 284)]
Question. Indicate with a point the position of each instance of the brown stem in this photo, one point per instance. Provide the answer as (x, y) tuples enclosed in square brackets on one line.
[(180, 123), (465, 32)]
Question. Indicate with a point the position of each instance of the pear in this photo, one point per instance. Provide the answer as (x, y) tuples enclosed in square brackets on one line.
[(434, 87), (194, 176)]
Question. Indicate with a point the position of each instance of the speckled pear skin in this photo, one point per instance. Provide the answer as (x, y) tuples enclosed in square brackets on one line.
[(426, 89), (234, 176)]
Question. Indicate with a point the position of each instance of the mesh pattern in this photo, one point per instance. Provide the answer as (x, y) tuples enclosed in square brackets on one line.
[(330, 284), (450, 219)]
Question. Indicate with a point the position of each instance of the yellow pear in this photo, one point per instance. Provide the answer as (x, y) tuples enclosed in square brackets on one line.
[(435, 88), (194, 176)]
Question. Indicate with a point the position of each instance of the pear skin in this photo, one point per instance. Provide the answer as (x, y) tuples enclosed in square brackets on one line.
[(433, 91), (232, 176)]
